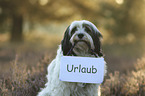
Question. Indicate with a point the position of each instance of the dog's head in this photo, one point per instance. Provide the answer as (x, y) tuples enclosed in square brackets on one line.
[(85, 36)]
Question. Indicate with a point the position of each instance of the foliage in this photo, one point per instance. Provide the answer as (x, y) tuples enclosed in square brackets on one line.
[(124, 20), (26, 81), (132, 84)]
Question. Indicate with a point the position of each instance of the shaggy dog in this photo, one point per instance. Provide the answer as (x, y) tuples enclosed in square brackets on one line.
[(82, 38)]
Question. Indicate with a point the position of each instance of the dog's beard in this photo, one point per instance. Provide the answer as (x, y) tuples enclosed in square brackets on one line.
[(82, 48)]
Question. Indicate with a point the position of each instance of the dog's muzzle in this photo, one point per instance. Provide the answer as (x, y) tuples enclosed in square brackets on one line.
[(91, 50)]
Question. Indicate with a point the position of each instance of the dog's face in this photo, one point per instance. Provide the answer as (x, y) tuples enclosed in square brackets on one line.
[(85, 36)]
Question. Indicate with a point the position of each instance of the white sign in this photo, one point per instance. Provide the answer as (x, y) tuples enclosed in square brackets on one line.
[(81, 69)]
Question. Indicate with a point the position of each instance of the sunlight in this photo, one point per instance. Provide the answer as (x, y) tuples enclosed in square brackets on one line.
[(119, 1), (130, 37), (43, 2)]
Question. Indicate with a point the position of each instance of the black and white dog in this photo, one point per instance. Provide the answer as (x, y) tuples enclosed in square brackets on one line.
[(82, 38)]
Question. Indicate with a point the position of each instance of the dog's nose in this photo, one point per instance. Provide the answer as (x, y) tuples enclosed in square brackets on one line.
[(80, 35)]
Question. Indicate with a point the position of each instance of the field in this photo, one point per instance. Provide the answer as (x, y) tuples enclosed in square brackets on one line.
[(31, 30), (23, 67)]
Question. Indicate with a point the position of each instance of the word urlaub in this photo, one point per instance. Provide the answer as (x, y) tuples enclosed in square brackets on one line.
[(81, 69)]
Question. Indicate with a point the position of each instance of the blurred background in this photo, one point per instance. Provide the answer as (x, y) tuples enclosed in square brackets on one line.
[(33, 29)]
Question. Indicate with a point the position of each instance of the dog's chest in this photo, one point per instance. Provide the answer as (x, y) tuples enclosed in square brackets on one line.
[(81, 89)]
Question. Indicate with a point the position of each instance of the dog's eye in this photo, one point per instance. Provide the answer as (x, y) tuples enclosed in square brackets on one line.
[(73, 30), (88, 29)]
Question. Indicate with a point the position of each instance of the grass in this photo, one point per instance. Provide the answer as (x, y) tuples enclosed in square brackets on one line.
[(24, 81), (28, 64), (131, 84)]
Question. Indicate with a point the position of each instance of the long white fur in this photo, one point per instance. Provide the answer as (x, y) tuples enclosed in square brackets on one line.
[(55, 87), (79, 24)]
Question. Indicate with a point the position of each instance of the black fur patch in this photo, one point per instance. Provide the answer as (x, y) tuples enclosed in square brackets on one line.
[(65, 43), (96, 38), (73, 30)]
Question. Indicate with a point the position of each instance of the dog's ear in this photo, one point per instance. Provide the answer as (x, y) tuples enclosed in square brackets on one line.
[(65, 43), (97, 42)]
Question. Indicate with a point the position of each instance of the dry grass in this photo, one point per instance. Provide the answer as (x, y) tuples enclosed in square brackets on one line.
[(131, 84), (25, 81), (27, 74)]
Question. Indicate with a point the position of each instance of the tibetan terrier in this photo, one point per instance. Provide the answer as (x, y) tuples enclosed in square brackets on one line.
[(81, 38)]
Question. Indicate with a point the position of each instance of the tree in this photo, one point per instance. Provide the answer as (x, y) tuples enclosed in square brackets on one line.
[(13, 10), (120, 20), (17, 10), (125, 21)]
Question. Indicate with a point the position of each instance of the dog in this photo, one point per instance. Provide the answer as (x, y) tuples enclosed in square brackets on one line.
[(81, 38)]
